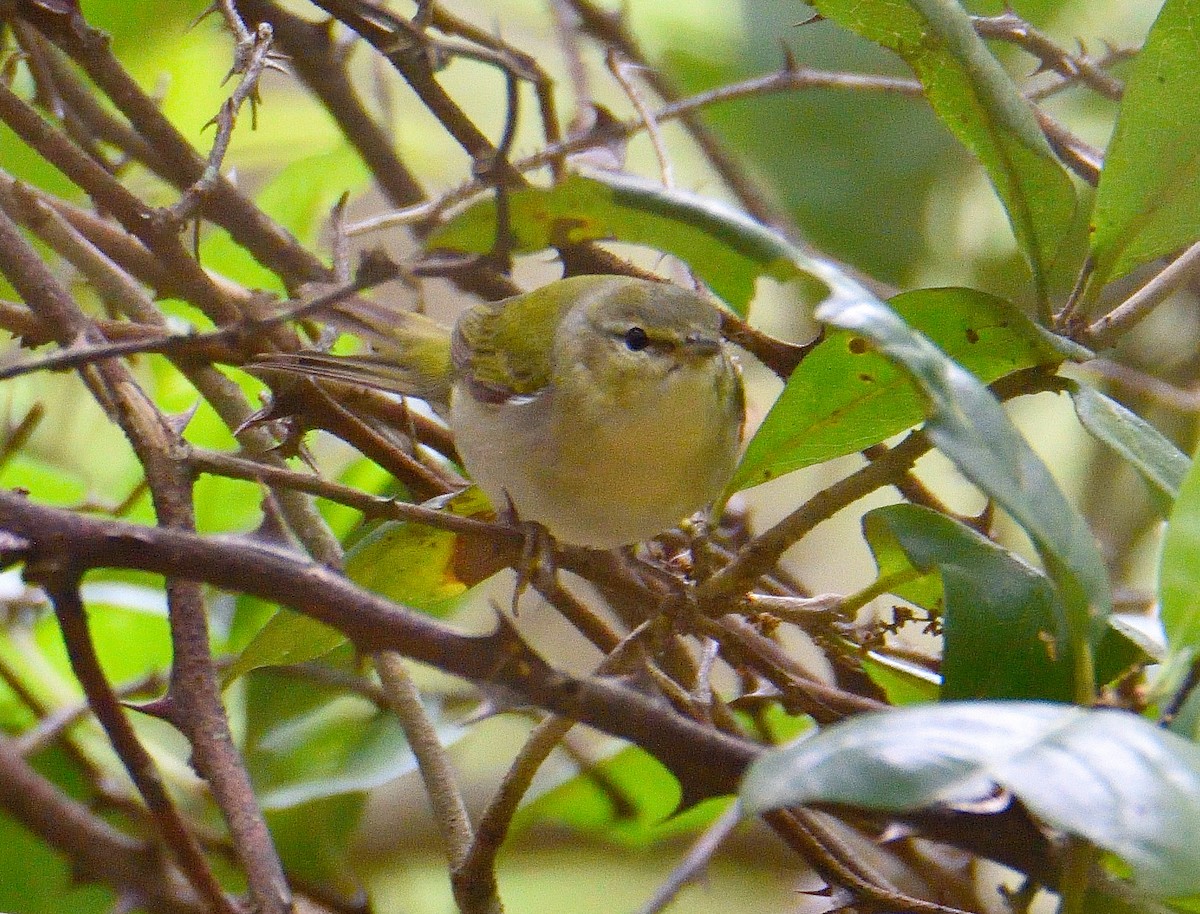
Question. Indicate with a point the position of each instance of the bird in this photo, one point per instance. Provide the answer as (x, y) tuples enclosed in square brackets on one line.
[(604, 408)]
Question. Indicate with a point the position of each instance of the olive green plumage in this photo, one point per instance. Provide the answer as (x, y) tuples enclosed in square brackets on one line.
[(606, 408)]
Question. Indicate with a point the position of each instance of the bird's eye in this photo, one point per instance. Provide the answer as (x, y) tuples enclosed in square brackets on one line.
[(636, 339)]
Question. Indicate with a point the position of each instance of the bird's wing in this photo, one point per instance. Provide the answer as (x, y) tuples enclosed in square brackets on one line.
[(505, 349)]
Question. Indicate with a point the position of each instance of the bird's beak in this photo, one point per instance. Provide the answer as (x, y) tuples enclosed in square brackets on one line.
[(699, 347)]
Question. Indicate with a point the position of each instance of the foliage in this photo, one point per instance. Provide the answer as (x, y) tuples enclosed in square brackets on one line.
[(216, 660)]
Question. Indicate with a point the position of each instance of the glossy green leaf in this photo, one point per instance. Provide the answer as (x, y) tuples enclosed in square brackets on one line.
[(973, 96), (1148, 200), (971, 428), (1107, 776), (896, 572), (1162, 464), (1000, 622), (1179, 574), (723, 246), (845, 397)]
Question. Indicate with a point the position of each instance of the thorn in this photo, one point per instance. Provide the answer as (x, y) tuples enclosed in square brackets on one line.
[(204, 14), (375, 267), (177, 422), (164, 708), (265, 413), (789, 58)]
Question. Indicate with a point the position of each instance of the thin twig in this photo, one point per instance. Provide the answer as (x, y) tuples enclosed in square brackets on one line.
[(98, 852), (194, 691), (829, 854), (620, 71), (257, 59), (124, 295), (1185, 400), (248, 327), (18, 437), (1010, 27), (437, 772), (234, 467), (692, 867), (788, 80), (1141, 303)]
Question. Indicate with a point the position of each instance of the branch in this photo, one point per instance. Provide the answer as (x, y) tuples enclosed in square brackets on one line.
[(707, 763), (193, 683), (97, 851), (1128, 314), (62, 586)]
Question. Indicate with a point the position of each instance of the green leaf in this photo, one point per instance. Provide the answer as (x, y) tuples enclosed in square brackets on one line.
[(1162, 464), (726, 248), (411, 564), (973, 96), (844, 397), (287, 637), (313, 750), (341, 747), (1179, 575), (1107, 776), (626, 797), (971, 428), (902, 683), (1000, 620), (420, 566), (1148, 200), (897, 573), (314, 839)]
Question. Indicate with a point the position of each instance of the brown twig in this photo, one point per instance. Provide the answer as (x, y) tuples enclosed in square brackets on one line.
[(193, 684), (437, 773), (317, 60), (227, 336), (254, 56), (706, 761), (183, 166), (98, 852), (62, 586), (1010, 27), (1134, 309), (373, 506), (609, 28)]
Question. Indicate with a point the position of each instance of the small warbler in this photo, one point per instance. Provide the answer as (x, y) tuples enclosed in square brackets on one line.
[(605, 408)]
